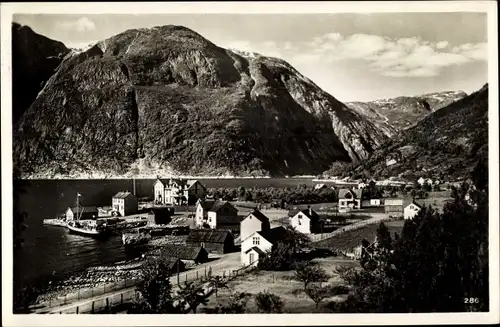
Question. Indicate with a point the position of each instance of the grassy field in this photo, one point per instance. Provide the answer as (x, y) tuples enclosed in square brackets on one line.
[(353, 238), (283, 284)]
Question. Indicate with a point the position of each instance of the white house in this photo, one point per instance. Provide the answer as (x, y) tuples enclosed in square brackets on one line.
[(374, 202), (362, 185), (349, 199), (319, 186), (177, 191), (259, 244), (256, 221), (421, 181), (411, 210), (305, 221), (125, 203), (429, 181), (215, 213)]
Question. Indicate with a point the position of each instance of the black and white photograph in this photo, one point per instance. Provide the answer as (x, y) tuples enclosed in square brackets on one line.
[(266, 159)]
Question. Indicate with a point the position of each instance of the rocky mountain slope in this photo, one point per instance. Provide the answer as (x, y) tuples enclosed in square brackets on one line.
[(34, 59), (447, 143), (166, 99), (395, 114)]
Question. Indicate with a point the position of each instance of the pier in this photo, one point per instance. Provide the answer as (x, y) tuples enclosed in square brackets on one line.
[(55, 222)]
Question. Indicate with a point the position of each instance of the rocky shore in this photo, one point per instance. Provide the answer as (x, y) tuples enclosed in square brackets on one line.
[(94, 277)]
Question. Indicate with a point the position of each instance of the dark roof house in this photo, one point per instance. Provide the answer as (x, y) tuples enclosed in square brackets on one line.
[(310, 213), (356, 193), (260, 216), (122, 195), (220, 241), (275, 235), (193, 253)]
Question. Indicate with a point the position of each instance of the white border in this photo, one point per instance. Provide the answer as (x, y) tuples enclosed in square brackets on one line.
[(8, 319)]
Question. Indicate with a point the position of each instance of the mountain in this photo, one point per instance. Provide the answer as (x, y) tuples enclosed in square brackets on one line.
[(395, 114), (446, 143), (166, 100), (34, 59)]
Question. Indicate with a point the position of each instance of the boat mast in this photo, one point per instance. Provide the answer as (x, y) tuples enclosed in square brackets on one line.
[(77, 198)]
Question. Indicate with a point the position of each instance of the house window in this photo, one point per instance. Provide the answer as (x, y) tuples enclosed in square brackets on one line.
[(256, 241), (300, 216)]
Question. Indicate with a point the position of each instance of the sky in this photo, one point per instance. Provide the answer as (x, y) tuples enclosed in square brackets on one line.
[(354, 57)]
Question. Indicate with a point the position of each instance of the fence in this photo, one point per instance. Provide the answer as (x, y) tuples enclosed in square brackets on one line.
[(107, 301), (90, 292), (320, 237)]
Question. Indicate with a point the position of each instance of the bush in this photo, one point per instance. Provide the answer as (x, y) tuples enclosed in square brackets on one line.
[(268, 303)]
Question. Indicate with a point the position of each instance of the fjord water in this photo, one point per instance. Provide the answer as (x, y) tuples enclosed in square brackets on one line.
[(51, 252)]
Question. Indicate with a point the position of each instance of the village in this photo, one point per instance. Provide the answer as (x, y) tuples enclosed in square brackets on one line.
[(199, 235)]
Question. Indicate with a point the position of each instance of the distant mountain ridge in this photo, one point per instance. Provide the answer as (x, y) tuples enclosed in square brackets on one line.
[(447, 143), (34, 59), (396, 114)]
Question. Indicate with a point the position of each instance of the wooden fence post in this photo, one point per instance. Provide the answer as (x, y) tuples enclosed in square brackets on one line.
[(77, 310), (107, 304), (93, 306), (196, 274), (121, 298), (186, 277), (205, 271)]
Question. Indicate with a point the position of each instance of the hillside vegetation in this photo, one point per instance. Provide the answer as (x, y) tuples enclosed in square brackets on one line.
[(447, 143)]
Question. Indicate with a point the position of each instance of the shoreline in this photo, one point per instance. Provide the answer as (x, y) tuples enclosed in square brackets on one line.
[(94, 277)]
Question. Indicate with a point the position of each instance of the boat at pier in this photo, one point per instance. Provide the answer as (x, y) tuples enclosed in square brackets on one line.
[(88, 228)]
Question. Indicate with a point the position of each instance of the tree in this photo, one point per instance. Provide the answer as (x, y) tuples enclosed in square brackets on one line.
[(236, 304), (318, 293), (413, 193), (307, 272), (268, 302), (217, 282), (154, 288), (384, 241), (192, 294), (480, 175), (279, 258), (248, 196), (438, 260), (241, 192)]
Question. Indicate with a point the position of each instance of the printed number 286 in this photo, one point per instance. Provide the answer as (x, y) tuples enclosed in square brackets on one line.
[(471, 300)]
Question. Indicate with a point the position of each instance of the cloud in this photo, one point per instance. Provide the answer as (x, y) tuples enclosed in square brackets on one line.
[(403, 57), (81, 25)]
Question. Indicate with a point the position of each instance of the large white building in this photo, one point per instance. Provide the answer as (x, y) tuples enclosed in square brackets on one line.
[(215, 214), (125, 203), (178, 191)]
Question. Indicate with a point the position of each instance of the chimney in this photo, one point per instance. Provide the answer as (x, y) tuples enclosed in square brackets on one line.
[(310, 210)]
